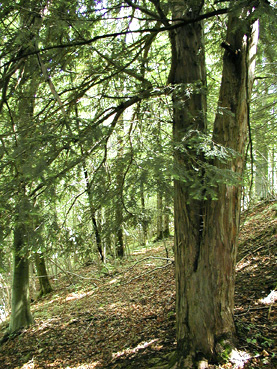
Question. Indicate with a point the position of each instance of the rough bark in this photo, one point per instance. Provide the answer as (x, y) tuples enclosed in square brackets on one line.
[(188, 78), (206, 230), (218, 253)]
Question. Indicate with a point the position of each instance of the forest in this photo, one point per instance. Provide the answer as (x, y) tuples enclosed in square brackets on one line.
[(138, 184)]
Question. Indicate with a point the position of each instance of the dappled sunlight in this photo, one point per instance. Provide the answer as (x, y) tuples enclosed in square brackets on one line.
[(29, 365), (93, 365), (269, 299), (113, 281), (45, 325), (239, 358), (140, 251), (77, 295), (128, 351), (123, 322), (116, 305), (242, 265), (43, 303)]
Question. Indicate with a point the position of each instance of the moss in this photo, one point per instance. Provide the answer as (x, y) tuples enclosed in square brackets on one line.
[(223, 350)]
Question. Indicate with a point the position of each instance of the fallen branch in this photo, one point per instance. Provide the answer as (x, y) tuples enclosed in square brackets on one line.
[(143, 274), (244, 312), (149, 257), (67, 273), (250, 253)]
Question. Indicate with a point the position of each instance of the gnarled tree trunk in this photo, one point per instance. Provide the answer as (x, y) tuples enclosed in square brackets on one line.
[(206, 230)]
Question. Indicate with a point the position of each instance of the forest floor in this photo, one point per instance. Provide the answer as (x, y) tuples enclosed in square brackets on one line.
[(123, 316)]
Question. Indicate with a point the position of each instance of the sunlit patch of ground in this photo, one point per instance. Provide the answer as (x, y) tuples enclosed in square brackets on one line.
[(238, 358)]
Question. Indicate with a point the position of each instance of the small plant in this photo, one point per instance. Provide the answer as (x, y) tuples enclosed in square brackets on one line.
[(171, 315), (274, 209), (223, 349)]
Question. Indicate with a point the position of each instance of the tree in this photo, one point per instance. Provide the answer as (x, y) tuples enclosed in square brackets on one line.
[(115, 69), (45, 286), (24, 209), (20, 304), (206, 225)]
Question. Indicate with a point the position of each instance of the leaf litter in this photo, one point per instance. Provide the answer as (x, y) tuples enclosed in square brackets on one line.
[(126, 317)]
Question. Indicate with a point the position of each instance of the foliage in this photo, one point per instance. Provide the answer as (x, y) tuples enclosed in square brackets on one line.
[(86, 124)]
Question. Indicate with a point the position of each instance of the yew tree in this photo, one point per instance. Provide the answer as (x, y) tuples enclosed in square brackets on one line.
[(207, 210), (103, 57)]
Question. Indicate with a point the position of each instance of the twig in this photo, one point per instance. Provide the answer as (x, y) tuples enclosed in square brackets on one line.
[(253, 309), (148, 257), (143, 274), (77, 275), (50, 83), (58, 266), (251, 252), (89, 278)]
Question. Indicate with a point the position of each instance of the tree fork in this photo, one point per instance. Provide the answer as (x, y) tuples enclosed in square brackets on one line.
[(206, 231)]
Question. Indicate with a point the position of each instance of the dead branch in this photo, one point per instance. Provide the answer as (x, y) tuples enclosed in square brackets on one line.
[(148, 272), (250, 253), (146, 258)]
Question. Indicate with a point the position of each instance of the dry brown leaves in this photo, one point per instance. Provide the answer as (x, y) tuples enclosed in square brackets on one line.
[(128, 320)]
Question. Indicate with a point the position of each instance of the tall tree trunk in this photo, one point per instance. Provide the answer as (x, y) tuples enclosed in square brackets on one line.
[(159, 216), (44, 283), (90, 200), (119, 243), (20, 313), (144, 223), (206, 230), (188, 78), (28, 82), (166, 231), (261, 172), (262, 162), (119, 246), (222, 219)]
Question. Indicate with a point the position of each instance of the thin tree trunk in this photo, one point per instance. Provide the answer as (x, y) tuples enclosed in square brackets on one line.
[(166, 231), (119, 244), (143, 221), (261, 172), (159, 217), (93, 216)]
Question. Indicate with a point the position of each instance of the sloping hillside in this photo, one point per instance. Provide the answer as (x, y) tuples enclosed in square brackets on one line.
[(256, 286), (122, 315)]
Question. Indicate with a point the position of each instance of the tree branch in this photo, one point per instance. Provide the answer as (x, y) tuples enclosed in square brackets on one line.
[(181, 23)]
